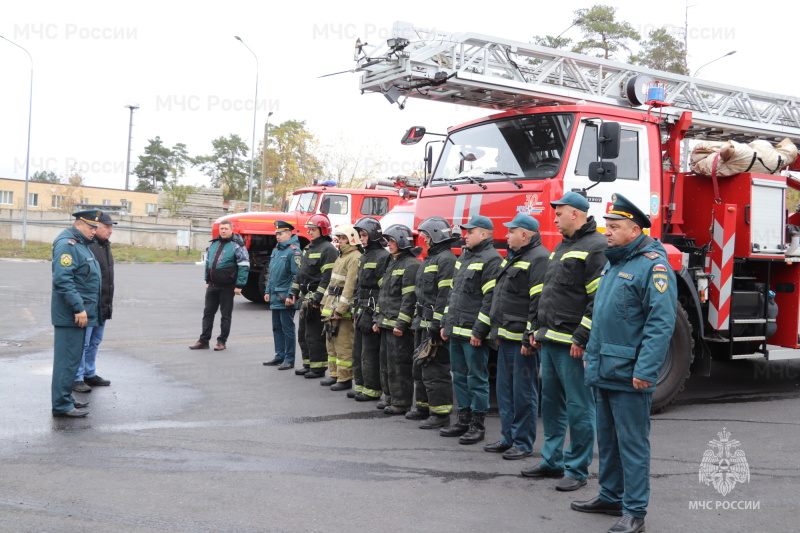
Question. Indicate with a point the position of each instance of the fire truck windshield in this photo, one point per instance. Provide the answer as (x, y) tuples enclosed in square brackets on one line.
[(304, 202), (518, 148)]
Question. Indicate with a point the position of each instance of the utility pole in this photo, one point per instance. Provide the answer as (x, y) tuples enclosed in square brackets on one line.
[(130, 135), (264, 161)]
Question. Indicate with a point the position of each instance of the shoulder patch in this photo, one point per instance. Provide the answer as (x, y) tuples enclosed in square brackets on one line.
[(625, 275), (297, 260), (660, 268), (661, 281), (652, 255), (292, 246), (66, 260), (72, 242)]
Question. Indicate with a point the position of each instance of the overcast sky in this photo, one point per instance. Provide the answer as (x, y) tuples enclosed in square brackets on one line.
[(193, 82)]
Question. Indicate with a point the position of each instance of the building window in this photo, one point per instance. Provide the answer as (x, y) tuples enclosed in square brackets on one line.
[(128, 206), (57, 201), (151, 208), (7, 197), (33, 199), (106, 202), (85, 201)]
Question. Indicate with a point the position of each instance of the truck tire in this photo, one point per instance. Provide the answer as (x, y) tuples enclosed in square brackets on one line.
[(252, 291), (677, 364)]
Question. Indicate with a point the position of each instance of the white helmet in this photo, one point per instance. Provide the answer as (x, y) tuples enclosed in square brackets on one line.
[(349, 232)]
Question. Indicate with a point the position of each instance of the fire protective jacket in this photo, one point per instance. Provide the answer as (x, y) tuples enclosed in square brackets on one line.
[(339, 297), (101, 248), (467, 313), (227, 262), (76, 280), (283, 265), (371, 268), (434, 281), (519, 286), (397, 300), (570, 284), (636, 305), (315, 269)]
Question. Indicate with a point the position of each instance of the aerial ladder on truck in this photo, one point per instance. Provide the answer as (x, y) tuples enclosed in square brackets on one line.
[(727, 238)]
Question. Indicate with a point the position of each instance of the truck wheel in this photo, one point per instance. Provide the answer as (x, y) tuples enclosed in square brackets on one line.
[(252, 291), (677, 364)]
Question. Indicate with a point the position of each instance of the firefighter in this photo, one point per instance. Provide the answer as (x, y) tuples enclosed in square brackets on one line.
[(367, 343), (516, 297), (433, 384), (310, 284), (560, 330), (337, 310), (636, 300), (393, 316), (467, 325)]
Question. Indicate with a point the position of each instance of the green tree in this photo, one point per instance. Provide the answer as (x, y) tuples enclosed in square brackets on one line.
[(291, 157), (227, 166), (153, 167), (559, 43), (662, 51), (175, 197), (45, 176), (603, 35), (178, 160)]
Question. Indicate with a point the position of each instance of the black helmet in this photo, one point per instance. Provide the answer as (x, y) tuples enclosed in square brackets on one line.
[(438, 228), (401, 235), (371, 226)]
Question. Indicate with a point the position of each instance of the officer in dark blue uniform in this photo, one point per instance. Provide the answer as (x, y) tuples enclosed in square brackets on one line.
[(74, 305), (634, 318), (283, 265)]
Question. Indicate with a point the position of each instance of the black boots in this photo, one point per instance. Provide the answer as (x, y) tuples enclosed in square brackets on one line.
[(460, 427), (435, 421), (418, 413), (476, 430)]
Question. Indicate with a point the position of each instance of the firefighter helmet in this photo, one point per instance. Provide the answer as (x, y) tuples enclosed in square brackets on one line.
[(371, 226), (401, 235), (320, 221), (349, 232), (438, 228)]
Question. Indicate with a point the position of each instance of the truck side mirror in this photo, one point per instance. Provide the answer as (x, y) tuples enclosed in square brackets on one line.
[(413, 135), (608, 140), (602, 171), (429, 161)]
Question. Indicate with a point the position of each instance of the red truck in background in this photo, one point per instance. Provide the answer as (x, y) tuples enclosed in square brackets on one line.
[(343, 206), (569, 122)]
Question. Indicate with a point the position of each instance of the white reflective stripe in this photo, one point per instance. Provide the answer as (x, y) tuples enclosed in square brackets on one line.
[(592, 286), (475, 266), (398, 272), (586, 322), (369, 265), (432, 268), (536, 289), (510, 335), (576, 255), (522, 265), (489, 285), (559, 337), (483, 318), (339, 277), (462, 332), (458, 265), (410, 288), (445, 283), (438, 316)]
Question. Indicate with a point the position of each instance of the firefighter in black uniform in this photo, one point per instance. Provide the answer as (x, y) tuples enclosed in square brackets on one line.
[(367, 343), (310, 283), (433, 384), (393, 317)]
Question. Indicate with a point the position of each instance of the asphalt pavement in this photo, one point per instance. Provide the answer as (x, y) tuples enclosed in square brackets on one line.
[(215, 442)]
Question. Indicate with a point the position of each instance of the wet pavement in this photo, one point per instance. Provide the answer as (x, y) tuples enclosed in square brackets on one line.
[(214, 441)]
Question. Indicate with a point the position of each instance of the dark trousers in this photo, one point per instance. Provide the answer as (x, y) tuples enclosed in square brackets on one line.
[(283, 334), (433, 385), (67, 351), (370, 364), (218, 297), (517, 394), (623, 445), (358, 379), (470, 374), (398, 352), (312, 340)]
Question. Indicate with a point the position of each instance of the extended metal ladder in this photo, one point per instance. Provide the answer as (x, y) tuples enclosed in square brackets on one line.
[(494, 73)]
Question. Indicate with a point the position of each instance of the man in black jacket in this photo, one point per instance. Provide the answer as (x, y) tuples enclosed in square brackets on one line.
[(87, 377)]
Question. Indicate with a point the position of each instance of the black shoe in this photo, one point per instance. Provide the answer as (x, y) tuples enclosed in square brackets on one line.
[(286, 365), (274, 362), (72, 413), (352, 393), (460, 427), (361, 397), (515, 453), (497, 447), (476, 430), (96, 381), (81, 386), (327, 382), (417, 413), (598, 505), (569, 483), (302, 371), (313, 374), (383, 404), (541, 471), (628, 524), (435, 422), (342, 385), (392, 410), (80, 405)]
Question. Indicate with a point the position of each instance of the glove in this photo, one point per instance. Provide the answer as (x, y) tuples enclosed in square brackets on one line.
[(434, 333)]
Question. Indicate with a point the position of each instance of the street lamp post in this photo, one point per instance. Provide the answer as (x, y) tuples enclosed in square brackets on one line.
[(264, 161), (253, 141), (28, 151), (714, 61)]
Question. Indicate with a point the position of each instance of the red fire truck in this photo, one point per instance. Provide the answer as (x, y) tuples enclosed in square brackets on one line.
[(565, 122), (343, 206)]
